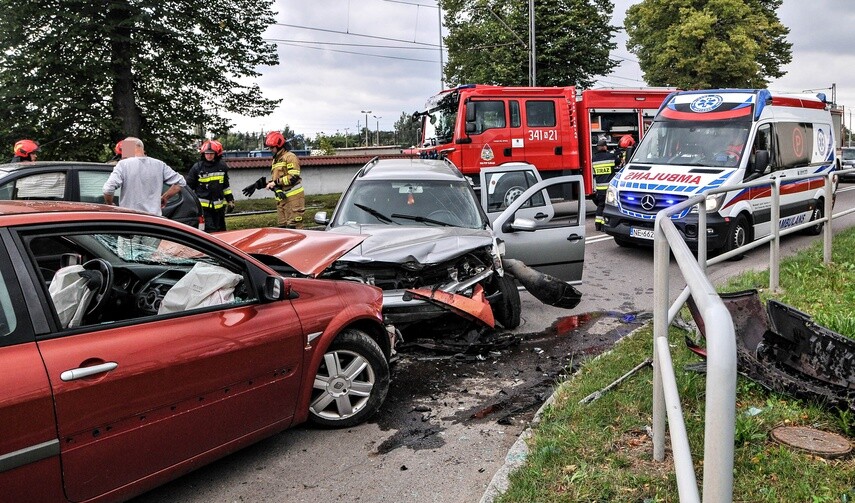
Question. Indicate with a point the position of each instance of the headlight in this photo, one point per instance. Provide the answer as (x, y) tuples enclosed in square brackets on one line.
[(611, 196), (712, 203)]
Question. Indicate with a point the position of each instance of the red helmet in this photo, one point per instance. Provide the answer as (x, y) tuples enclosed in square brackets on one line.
[(274, 139), (212, 146), (25, 147), (626, 141), (118, 148)]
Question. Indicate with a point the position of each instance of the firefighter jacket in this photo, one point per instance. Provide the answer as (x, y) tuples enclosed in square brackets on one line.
[(603, 164), (285, 173), (210, 181)]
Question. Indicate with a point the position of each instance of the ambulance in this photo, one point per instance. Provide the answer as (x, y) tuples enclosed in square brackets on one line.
[(709, 139)]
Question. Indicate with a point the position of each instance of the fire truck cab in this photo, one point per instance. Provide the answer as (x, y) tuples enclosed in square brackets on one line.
[(554, 128)]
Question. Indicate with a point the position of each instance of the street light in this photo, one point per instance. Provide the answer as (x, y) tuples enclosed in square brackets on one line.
[(378, 129), (366, 112), (346, 131)]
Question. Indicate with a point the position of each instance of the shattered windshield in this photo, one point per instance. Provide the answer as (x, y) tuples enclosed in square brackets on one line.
[(411, 203), (439, 119), (695, 143)]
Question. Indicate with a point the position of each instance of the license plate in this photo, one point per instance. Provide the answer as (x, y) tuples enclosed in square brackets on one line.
[(641, 233)]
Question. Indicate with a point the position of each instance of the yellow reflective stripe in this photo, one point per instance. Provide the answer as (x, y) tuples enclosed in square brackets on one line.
[(603, 167), (213, 177), (602, 187), (295, 191), (294, 172), (227, 192)]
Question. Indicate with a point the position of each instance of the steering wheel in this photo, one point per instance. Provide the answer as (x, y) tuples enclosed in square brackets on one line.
[(102, 295), (444, 216)]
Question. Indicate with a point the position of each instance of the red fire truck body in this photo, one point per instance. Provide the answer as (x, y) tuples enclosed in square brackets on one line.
[(554, 128)]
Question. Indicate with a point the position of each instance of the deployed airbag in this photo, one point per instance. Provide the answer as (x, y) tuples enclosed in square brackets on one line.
[(204, 285)]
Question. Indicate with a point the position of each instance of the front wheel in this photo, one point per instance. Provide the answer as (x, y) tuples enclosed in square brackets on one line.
[(351, 382), (739, 234)]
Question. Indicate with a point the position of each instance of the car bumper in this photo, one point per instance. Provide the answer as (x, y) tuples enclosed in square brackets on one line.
[(623, 227)]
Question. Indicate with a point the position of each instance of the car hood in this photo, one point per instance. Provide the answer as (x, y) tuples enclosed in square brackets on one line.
[(309, 252), (425, 245)]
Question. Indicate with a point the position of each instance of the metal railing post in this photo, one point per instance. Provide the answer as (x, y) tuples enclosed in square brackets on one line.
[(775, 244), (702, 235), (826, 213), (661, 262)]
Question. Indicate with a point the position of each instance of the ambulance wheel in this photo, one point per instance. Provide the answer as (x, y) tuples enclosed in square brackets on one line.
[(507, 310), (739, 234), (351, 382), (816, 214)]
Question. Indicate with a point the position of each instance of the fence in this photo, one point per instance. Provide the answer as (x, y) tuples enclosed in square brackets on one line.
[(720, 415)]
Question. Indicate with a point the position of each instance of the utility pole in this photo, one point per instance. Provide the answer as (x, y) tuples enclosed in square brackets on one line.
[(345, 136), (366, 112), (378, 129), (532, 77)]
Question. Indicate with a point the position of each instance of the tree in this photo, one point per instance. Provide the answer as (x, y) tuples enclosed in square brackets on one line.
[(696, 44), (406, 130), (78, 75), (488, 41)]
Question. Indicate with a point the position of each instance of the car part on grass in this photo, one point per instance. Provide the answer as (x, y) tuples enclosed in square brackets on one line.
[(543, 287), (599, 393), (785, 351)]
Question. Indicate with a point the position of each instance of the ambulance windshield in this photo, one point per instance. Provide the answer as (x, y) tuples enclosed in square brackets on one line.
[(694, 143)]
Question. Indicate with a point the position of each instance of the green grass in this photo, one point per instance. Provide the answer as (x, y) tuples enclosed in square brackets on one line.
[(602, 452), (314, 203)]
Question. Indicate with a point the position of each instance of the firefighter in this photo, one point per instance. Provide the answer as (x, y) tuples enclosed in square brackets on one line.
[(285, 182), (626, 142), (209, 178), (118, 151), (603, 164), (25, 150)]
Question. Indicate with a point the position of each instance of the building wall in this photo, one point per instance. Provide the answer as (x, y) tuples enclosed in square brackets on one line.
[(316, 179)]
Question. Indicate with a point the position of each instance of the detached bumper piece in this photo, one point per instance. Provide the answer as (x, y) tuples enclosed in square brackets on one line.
[(784, 350), (545, 288), (476, 308)]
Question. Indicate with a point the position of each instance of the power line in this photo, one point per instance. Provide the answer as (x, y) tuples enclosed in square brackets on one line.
[(339, 32), (411, 3), (356, 53), (370, 46)]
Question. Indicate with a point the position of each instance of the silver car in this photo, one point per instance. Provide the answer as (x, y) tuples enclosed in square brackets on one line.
[(431, 246)]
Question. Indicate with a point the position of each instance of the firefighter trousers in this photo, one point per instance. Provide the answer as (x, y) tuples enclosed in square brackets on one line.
[(290, 211)]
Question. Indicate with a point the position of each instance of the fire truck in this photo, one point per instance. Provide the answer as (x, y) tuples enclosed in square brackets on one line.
[(556, 129)]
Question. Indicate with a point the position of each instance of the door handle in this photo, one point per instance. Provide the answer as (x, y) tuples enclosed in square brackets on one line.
[(540, 216), (574, 237), (81, 372)]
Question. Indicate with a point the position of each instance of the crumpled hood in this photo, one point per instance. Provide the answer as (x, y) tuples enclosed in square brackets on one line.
[(309, 252), (425, 245)]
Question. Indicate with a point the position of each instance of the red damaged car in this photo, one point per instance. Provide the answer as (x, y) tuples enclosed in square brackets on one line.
[(135, 349)]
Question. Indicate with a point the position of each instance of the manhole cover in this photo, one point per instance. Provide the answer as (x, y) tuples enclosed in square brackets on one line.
[(821, 443)]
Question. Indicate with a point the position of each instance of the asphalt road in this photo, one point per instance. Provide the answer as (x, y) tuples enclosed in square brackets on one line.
[(448, 422)]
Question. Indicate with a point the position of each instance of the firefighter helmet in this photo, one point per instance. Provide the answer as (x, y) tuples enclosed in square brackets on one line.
[(118, 148), (212, 146), (274, 139), (25, 147), (602, 141), (626, 141)]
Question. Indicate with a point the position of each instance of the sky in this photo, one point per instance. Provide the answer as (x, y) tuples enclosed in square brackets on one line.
[(339, 59)]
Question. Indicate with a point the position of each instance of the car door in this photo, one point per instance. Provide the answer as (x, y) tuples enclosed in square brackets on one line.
[(29, 448), (544, 226), (138, 395)]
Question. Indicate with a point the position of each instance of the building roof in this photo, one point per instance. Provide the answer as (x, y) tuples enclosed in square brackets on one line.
[(315, 160)]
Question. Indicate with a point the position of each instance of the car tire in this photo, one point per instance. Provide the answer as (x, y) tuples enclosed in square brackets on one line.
[(816, 214), (509, 307), (510, 188), (351, 382), (739, 234)]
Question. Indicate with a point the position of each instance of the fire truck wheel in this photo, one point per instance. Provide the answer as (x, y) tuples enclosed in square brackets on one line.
[(816, 214), (510, 187), (507, 309)]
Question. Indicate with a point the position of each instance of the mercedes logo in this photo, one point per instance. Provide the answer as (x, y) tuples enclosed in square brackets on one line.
[(648, 202)]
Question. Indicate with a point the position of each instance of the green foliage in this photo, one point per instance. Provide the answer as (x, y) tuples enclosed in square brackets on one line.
[(406, 130), (325, 145), (78, 75), (488, 41), (696, 44)]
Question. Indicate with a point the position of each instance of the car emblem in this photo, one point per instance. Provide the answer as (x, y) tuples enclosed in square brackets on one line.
[(648, 202)]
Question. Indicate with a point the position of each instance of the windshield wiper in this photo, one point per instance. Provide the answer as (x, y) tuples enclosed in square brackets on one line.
[(421, 219), (375, 213)]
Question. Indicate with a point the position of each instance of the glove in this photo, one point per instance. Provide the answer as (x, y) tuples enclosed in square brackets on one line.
[(230, 206), (249, 190)]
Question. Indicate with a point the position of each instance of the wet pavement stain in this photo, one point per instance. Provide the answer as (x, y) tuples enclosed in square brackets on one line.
[(431, 389)]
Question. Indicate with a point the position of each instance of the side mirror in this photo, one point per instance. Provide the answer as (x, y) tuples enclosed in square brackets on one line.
[(321, 218), (274, 288), (520, 224), (470, 113), (470, 127), (761, 161)]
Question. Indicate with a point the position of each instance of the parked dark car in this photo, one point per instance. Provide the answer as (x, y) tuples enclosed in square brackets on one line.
[(81, 181), (847, 161), (135, 349)]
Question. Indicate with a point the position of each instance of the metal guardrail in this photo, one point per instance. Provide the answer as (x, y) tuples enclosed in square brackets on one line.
[(720, 415)]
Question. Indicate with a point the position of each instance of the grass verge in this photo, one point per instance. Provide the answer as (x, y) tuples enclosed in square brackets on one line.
[(602, 451), (314, 204)]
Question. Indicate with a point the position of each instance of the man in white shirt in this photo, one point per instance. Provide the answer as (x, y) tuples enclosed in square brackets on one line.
[(141, 179)]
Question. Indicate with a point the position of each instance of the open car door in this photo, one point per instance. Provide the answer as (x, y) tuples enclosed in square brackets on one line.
[(541, 222)]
